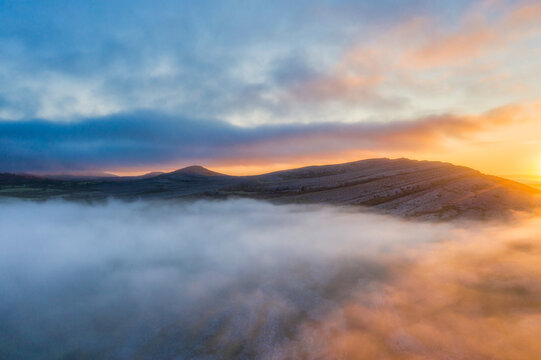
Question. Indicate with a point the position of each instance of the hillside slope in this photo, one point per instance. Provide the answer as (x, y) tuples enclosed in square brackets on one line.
[(402, 187), (408, 188)]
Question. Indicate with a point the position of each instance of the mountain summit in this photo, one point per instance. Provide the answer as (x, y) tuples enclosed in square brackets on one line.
[(194, 170)]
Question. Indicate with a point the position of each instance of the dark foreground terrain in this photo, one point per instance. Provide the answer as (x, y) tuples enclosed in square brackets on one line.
[(409, 188)]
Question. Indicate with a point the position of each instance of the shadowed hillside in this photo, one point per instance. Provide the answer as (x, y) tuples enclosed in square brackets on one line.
[(409, 188)]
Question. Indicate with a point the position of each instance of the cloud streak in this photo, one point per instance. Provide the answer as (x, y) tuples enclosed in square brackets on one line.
[(424, 60), (150, 139)]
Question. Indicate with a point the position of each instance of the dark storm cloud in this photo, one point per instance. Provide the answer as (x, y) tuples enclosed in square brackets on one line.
[(112, 141), (150, 139)]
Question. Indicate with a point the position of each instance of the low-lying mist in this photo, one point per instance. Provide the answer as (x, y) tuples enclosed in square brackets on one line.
[(242, 279)]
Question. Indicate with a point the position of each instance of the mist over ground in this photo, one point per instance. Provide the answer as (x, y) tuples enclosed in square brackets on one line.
[(243, 279)]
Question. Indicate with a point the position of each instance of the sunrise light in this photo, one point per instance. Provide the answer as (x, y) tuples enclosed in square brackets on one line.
[(270, 179)]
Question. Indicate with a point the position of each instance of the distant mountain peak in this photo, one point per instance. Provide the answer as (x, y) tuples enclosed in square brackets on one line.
[(196, 170)]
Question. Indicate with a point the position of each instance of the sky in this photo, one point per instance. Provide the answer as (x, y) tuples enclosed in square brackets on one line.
[(243, 87)]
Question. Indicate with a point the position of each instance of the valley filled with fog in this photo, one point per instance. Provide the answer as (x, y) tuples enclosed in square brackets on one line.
[(244, 279)]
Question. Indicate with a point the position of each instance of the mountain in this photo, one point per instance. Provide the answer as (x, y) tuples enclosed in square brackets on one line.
[(194, 170), (422, 189), (403, 187)]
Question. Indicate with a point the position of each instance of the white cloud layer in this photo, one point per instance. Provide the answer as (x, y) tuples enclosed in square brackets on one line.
[(233, 279)]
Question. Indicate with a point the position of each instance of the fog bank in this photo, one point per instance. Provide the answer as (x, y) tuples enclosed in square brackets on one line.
[(244, 279)]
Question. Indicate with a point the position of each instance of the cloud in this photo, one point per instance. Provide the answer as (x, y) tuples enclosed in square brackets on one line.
[(250, 279), (122, 280), (478, 35), (154, 140), (63, 61), (312, 61), (433, 59), (259, 66), (477, 297)]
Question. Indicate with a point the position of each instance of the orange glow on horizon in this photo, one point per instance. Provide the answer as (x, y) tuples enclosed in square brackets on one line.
[(499, 142), (247, 167)]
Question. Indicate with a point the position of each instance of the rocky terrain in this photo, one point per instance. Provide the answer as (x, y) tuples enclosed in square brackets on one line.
[(414, 189)]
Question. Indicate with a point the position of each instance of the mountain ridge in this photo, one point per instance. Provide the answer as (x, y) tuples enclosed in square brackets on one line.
[(429, 190)]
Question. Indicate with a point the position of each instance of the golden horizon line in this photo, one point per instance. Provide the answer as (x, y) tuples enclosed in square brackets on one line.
[(254, 170), (283, 166)]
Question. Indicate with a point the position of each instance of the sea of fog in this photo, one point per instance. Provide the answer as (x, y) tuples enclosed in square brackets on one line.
[(243, 279)]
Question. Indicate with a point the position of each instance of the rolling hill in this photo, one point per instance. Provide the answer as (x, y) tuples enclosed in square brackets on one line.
[(403, 187)]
